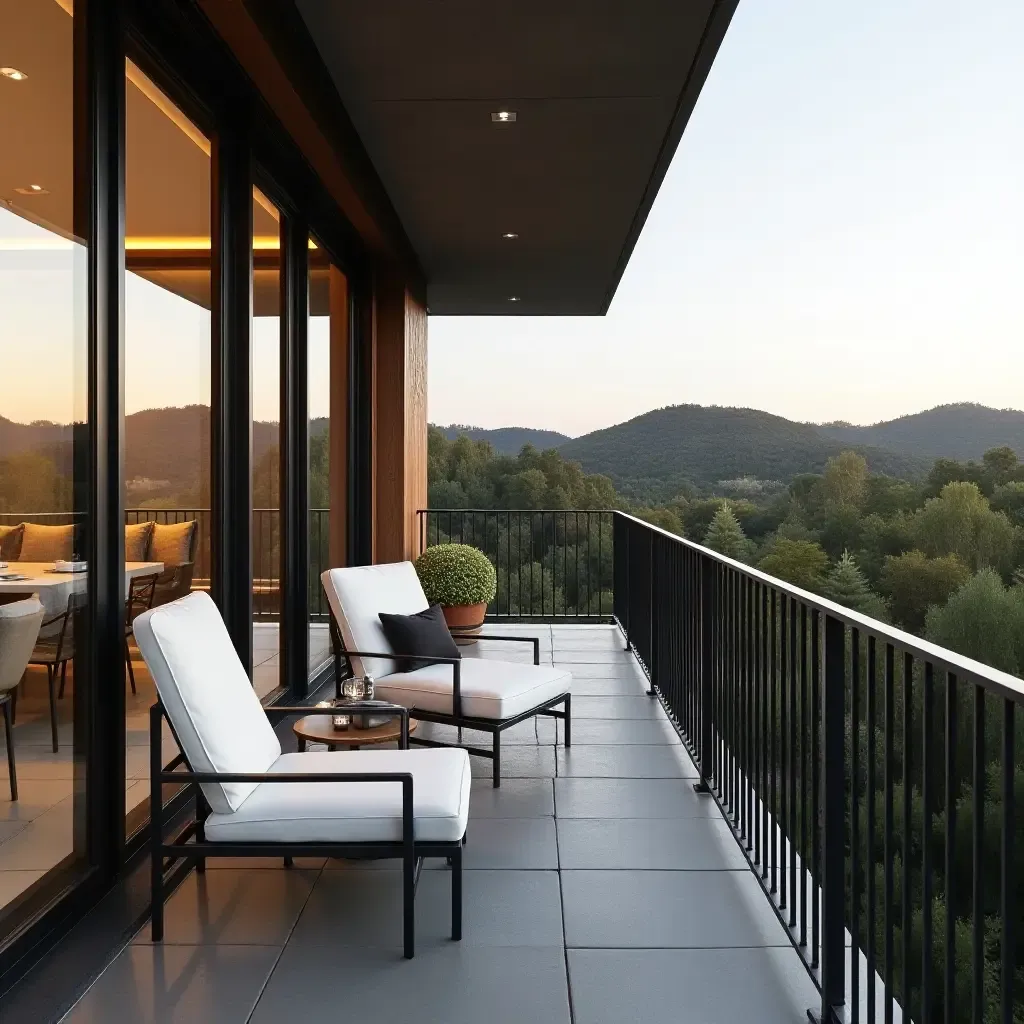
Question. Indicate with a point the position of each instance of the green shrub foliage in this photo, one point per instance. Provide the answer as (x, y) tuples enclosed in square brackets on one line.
[(454, 574)]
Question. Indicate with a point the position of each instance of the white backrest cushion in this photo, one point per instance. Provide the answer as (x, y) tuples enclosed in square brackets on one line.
[(209, 700), (19, 630), (357, 597)]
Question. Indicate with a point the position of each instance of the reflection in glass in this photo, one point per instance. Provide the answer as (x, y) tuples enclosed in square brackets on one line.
[(43, 464), (167, 388)]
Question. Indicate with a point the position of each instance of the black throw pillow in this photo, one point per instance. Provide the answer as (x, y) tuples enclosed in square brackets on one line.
[(424, 634)]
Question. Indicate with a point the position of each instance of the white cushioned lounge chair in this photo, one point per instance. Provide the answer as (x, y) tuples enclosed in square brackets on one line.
[(474, 693), (254, 800)]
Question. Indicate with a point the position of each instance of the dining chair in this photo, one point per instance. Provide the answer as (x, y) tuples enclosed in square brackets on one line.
[(54, 648), (19, 627), (141, 591)]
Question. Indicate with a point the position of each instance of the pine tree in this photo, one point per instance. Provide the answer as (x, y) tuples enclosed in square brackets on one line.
[(846, 585), (726, 536)]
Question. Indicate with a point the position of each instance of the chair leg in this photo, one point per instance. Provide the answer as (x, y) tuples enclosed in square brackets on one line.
[(289, 862), (14, 703), (456, 862), (496, 766), (128, 662), (568, 720), (63, 680), (409, 904), (156, 883), (9, 736), (51, 684)]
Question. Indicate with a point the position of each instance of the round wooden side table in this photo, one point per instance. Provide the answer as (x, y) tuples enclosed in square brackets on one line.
[(318, 729)]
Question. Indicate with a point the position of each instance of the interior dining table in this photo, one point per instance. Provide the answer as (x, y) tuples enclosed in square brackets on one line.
[(54, 588)]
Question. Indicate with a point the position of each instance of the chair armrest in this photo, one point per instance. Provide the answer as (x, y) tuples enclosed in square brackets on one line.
[(535, 640)]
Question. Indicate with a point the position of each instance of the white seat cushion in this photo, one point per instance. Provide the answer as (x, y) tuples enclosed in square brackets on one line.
[(490, 689), (358, 595), (353, 812), (207, 696)]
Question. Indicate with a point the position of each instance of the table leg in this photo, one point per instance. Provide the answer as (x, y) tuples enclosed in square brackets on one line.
[(301, 744)]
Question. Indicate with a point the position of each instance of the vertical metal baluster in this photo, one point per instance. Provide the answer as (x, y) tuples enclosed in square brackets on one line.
[(869, 815), (757, 628), (905, 914), (889, 712), (815, 788), (928, 800), (1007, 873), (977, 855), (750, 828), (949, 965), (772, 760), (794, 898), (765, 735), (804, 794), (784, 765), (855, 825)]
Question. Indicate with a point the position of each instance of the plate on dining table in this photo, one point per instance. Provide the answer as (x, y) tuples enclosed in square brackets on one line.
[(13, 577)]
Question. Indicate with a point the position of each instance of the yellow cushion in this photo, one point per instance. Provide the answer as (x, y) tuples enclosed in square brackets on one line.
[(46, 543), (10, 541), (136, 542), (171, 544)]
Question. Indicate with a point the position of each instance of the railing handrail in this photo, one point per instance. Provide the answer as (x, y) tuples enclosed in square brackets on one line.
[(959, 664)]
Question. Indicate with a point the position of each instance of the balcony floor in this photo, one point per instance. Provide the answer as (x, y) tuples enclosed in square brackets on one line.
[(599, 889)]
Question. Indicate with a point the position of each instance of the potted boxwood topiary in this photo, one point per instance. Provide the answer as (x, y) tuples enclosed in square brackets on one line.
[(461, 579)]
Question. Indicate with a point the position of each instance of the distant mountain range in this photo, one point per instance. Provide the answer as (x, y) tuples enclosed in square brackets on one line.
[(649, 455), (655, 452), (508, 440), (962, 431)]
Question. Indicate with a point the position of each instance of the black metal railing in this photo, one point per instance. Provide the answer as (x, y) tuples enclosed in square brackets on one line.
[(871, 778), (266, 533), (551, 564)]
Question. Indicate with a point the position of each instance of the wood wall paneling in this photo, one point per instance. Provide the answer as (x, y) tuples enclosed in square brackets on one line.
[(338, 425)]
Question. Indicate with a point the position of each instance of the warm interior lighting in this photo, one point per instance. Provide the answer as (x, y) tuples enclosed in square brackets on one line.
[(503, 116), (32, 190), (13, 74), (510, 234), (194, 243), (513, 298)]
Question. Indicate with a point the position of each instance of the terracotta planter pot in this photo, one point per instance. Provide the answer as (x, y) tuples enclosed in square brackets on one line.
[(464, 620)]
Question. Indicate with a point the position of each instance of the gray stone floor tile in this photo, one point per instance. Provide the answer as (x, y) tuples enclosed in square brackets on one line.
[(692, 986), (611, 761), (585, 686), (517, 762), (610, 655), (264, 863), (617, 708), (178, 985), (454, 983), (523, 733), (363, 908), (517, 798), (631, 798), (511, 843), (669, 844), (623, 732), (251, 906), (667, 909), (601, 670)]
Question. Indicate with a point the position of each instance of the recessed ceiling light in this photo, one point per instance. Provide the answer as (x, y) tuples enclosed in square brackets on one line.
[(510, 234), (13, 74), (503, 116), (33, 190), (513, 298)]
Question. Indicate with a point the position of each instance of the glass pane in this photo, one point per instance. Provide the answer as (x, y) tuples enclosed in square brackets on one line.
[(328, 313), (44, 494), (266, 473), (167, 387)]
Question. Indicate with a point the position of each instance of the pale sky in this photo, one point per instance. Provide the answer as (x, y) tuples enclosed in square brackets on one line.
[(840, 236)]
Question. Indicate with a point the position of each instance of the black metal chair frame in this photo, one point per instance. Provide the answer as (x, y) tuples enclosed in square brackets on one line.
[(494, 726), (191, 844), (7, 704), (75, 601), (141, 592)]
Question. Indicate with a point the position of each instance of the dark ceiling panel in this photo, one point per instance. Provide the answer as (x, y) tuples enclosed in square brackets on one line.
[(601, 89)]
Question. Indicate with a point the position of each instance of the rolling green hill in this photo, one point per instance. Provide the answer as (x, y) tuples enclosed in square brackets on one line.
[(962, 431), (663, 448), (507, 440)]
